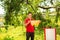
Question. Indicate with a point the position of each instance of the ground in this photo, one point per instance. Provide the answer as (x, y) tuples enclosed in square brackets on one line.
[(18, 33)]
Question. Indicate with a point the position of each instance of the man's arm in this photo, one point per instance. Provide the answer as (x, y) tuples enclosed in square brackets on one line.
[(26, 23)]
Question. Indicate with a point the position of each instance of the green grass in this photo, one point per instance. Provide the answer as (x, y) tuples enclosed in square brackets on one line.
[(19, 33)]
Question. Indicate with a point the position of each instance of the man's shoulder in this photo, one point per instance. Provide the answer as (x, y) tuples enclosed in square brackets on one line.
[(26, 19)]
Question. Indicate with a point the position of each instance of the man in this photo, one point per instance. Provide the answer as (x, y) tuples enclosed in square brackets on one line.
[(29, 27)]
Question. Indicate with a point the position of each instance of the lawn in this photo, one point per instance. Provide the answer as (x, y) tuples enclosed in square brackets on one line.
[(18, 33)]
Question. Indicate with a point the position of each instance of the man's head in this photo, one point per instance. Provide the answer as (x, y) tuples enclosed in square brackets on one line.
[(30, 15)]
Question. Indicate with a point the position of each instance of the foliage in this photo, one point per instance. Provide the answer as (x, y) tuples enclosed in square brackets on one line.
[(14, 8), (8, 38), (19, 34), (17, 10)]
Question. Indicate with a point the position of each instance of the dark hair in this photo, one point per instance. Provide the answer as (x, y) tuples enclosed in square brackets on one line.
[(29, 12)]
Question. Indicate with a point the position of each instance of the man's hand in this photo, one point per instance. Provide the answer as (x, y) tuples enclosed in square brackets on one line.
[(28, 22)]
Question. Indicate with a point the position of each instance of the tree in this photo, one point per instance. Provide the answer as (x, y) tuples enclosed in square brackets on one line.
[(10, 7), (14, 8)]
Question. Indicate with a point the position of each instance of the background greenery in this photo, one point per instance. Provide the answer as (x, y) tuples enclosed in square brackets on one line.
[(17, 10)]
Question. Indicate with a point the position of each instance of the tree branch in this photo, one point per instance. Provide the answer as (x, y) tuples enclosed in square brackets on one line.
[(46, 7)]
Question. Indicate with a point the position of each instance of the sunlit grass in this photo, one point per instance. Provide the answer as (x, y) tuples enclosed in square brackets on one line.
[(19, 33)]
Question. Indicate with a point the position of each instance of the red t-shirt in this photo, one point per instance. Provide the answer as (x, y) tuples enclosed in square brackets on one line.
[(29, 27)]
